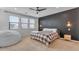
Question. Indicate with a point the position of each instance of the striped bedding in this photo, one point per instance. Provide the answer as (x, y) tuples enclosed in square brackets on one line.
[(44, 37)]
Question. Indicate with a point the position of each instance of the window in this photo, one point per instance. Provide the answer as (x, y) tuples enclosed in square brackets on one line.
[(31, 23), (13, 22), (24, 23), (27, 23)]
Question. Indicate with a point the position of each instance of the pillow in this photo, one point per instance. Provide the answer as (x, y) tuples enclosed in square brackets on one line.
[(50, 29), (34, 31)]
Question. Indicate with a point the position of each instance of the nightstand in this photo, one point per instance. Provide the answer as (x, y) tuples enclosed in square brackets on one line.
[(67, 37)]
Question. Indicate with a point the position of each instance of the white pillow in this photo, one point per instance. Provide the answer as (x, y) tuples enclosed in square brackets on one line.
[(34, 31), (50, 29), (45, 29)]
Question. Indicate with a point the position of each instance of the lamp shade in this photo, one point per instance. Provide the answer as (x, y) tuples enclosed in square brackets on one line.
[(68, 24), (40, 25)]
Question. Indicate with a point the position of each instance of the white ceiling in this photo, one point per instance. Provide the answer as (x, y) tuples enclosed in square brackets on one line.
[(27, 11)]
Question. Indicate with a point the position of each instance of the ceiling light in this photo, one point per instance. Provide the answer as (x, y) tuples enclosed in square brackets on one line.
[(15, 8), (57, 7)]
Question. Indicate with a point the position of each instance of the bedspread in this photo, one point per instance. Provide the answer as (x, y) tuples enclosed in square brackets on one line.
[(45, 37)]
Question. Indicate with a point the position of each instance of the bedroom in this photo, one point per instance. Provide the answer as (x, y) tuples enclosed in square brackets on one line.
[(24, 21)]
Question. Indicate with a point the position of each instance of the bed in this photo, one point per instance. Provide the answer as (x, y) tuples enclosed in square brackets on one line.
[(9, 37), (46, 36)]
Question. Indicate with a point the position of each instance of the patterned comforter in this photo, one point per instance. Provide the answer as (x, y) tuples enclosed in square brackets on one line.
[(44, 37)]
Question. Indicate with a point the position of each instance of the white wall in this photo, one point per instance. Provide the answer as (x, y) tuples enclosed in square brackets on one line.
[(4, 25), (3, 21)]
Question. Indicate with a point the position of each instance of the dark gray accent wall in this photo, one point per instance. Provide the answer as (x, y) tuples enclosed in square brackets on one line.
[(59, 21)]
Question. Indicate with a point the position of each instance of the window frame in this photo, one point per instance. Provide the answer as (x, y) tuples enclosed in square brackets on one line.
[(31, 23), (24, 23), (19, 22), (13, 22)]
